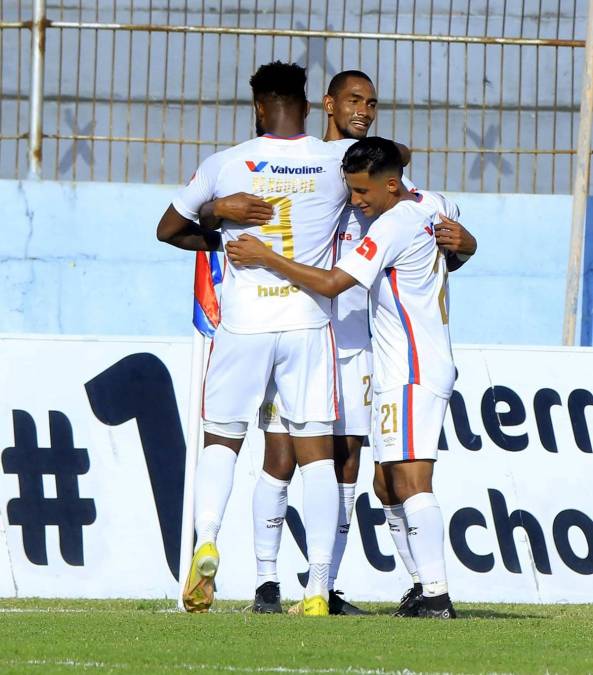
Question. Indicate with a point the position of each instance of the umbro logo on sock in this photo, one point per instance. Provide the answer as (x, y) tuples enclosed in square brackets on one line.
[(412, 530), (274, 522)]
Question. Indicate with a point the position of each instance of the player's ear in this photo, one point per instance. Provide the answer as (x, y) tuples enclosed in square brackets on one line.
[(328, 104), (393, 185), (307, 109)]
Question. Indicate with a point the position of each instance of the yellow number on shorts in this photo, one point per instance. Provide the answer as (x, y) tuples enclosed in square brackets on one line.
[(443, 291), (389, 410), (367, 381), (283, 227)]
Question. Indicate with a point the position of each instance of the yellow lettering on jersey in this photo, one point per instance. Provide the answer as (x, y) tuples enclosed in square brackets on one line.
[(261, 185), (283, 227), (273, 291)]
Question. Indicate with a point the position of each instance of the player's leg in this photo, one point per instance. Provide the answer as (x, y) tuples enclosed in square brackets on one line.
[(354, 423), (226, 413), (320, 510), (398, 528), (409, 422), (270, 501), (305, 375)]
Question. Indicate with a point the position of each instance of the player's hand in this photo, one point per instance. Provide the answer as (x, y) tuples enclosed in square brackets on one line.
[(247, 251), (244, 209), (454, 237)]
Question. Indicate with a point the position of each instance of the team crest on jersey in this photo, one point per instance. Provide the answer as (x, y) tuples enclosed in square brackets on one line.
[(255, 168)]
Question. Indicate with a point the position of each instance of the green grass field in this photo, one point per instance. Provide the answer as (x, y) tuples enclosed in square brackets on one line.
[(65, 636)]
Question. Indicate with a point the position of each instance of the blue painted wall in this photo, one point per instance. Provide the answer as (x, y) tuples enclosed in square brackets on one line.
[(82, 258)]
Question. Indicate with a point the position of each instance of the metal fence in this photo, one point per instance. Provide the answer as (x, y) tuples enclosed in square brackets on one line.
[(485, 92)]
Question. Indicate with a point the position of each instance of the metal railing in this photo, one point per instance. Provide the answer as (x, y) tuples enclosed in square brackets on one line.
[(485, 92)]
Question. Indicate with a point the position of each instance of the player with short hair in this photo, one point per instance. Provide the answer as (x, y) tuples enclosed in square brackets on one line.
[(270, 329), (401, 264)]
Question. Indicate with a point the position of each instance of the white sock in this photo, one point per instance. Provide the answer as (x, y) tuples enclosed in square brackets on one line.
[(426, 538), (320, 509), (398, 528), (345, 507), (213, 485), (270, 501)]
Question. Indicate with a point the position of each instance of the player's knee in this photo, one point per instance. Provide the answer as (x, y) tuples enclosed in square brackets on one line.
[(279, 456), (407, 485), (379, 486), (280, 466), (229, 434), (347, 458)]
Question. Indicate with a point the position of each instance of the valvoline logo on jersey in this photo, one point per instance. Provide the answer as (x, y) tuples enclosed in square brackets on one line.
[(278, 168)]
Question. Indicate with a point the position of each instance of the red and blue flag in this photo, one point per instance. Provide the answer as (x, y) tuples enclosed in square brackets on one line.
[(206, 308)]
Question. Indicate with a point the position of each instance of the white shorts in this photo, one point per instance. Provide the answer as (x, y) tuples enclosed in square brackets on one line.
[(408, 423), (356, 394), (354, 402), (301, 363)]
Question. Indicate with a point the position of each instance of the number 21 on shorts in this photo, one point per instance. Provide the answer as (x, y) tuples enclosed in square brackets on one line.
[(388, 418)]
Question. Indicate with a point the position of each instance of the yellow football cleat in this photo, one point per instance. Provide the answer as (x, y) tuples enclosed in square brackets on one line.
[(198, 592), (315, 606)]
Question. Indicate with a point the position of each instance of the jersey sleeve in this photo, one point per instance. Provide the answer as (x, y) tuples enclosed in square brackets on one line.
[(408, 184), (450, 209), (385, 241), (199, 190)]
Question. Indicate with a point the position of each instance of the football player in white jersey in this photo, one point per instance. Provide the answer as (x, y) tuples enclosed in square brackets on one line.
[(401, 264), (270, 329)]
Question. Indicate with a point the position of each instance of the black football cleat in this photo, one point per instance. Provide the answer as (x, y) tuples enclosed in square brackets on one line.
[(425, 612), (410, 603), (339, 606), (267, 599)]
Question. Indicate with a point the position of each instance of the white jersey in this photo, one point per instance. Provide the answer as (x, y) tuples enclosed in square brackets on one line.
[(301, 177), (401, 264), (350, 314)]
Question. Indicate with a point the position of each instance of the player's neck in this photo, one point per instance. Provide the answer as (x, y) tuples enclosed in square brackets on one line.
[(333, 133), (402, 195), (285, 126)]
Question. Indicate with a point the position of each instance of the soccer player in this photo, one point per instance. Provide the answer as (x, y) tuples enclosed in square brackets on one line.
[(401, 264), (270, 329), (350, 105)]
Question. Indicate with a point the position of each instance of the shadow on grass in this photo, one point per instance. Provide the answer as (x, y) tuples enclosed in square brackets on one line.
[(466, 613)]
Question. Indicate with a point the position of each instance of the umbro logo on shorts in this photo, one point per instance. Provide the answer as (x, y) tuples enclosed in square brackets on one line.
[(412, 530), (256, 168)]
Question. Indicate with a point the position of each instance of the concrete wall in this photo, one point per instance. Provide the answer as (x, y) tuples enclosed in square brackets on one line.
[(82, 258)]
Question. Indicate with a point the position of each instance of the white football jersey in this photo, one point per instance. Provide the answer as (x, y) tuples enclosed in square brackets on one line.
[(301, 177), (404, 269), (350, 313)]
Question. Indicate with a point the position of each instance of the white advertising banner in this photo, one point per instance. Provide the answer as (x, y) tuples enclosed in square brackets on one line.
[(92, 457)]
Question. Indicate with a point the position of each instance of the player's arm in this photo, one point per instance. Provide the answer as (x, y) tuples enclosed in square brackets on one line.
[(249, 251), (178, 231), (459, 244), (241, 208)]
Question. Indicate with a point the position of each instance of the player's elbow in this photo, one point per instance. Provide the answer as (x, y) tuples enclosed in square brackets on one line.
[(162, 234), (331, 288)]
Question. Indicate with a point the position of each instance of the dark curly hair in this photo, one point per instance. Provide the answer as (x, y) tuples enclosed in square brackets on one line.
[(281, 80)]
